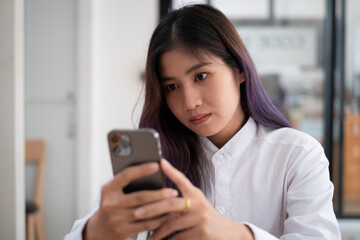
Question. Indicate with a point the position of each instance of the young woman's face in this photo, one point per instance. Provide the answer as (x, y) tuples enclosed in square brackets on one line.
[(203, 94)]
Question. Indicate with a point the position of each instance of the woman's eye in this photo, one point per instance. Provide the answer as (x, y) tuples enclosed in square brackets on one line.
[(201, 76), (171, 87)]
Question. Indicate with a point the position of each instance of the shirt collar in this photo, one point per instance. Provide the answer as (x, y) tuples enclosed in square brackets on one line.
[(237, 143)]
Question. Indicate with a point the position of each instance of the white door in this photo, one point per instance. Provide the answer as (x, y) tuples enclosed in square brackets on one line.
[(50, 106)]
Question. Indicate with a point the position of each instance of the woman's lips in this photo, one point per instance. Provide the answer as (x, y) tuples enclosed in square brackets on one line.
[(199, 119)]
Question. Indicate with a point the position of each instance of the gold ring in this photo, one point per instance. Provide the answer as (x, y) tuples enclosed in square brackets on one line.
[(187, 204)]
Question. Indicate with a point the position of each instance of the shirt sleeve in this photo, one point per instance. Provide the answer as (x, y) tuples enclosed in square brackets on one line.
[(309, 198), (76, 231), (308, 202), (259, 233)]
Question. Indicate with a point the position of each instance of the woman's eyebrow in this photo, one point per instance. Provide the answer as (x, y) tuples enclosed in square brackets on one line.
[(190, 70), (197, 66)]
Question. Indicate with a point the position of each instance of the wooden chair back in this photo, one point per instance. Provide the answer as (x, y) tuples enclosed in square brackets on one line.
[(35, 153)]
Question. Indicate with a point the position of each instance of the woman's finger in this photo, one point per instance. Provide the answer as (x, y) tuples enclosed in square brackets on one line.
[(160, 207), (147, 225), (122, 215), (188, 234), (129, 174), (177, 177), (138, 198), (175, 224)]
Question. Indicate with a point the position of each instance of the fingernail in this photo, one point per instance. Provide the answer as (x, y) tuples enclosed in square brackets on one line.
[(152, 165), (173, 193), (140, 212), (165, 162)]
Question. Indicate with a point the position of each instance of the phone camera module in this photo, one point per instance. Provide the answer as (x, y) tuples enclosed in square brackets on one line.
[(114, 138), (123, 146)]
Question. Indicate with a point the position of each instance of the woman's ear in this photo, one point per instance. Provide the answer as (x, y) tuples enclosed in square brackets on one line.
[(240, 76)]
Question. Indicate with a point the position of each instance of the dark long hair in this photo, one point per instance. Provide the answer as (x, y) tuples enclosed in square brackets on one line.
[(197, 29)]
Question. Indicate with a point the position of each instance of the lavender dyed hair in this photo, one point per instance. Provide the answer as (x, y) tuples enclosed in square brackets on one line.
[(199, 29)]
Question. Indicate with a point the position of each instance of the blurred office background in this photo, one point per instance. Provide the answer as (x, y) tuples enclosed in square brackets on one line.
[(83, 70)]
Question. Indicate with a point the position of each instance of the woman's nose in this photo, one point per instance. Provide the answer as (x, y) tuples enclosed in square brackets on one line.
[(192, 98)]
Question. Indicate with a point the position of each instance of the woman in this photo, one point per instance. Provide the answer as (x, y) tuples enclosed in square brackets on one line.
[(242, 172)]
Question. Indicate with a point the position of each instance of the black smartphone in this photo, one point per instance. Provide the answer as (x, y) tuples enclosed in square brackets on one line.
[(134, 147)]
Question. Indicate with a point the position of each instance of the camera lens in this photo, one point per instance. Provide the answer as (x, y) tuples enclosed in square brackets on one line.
[(123, 146)]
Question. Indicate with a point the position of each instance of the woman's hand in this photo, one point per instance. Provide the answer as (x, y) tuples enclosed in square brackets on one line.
[(200, 221), (115, 218)]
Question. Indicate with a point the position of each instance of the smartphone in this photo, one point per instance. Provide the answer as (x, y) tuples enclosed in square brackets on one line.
[(134, 147)]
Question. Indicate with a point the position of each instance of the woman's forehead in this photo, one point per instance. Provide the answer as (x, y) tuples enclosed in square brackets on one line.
[(198, 54)]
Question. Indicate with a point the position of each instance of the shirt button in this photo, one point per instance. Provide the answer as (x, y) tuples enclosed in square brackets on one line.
[(221, 157)]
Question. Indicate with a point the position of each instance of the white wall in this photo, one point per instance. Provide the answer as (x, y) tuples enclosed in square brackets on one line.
[(112, 41), (12, 202)]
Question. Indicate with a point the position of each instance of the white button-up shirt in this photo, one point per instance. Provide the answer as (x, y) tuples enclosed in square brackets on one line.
[(275, 181)]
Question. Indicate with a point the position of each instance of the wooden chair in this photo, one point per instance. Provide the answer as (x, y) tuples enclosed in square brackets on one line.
[(35, 154)]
